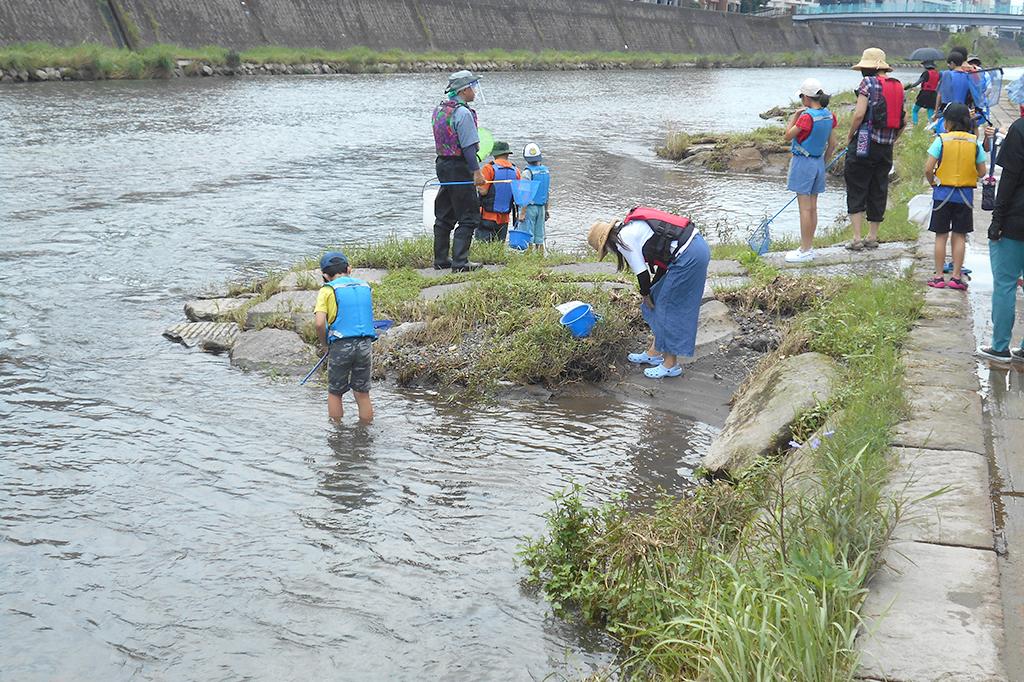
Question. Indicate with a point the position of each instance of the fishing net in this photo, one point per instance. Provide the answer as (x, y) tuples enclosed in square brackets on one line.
[(1015, 93), (760, 240), (986, 87), (523, 191)]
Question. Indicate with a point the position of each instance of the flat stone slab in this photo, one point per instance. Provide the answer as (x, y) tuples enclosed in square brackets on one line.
[(948, 419), (209, 336), (299, 280), (962, 515), (608, 286), (946, 298), (761, 419), (431, 273), (715, 328), (594, 268), (440, 290), (210, 309), (272, 350), (933, 613), (728, 281), (297, 306), (939, 337), (941, 370), (725, 268), (836, 255)]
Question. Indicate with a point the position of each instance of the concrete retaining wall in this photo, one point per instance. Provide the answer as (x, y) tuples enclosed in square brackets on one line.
[(419, 25)]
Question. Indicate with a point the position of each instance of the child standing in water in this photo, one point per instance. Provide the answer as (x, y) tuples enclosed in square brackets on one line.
[(536, 213), (956, 160), (344, 325), (811, 132)]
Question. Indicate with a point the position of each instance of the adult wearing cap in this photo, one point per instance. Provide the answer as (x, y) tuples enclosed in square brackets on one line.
[(811, 134), (926, 98), (457, 142), (871, 137), (671, 246), (497, 208)]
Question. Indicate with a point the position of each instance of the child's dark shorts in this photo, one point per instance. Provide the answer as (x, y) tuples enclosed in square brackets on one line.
[(953, 217), (349, 365)]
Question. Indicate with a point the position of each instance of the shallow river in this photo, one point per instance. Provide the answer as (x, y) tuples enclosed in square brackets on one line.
[(164, 516)]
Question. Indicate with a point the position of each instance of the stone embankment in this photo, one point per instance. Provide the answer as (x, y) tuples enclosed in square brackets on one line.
[(934, 610)]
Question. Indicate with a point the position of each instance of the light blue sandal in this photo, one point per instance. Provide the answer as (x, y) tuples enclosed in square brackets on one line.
[(661, 371), (644, 359)]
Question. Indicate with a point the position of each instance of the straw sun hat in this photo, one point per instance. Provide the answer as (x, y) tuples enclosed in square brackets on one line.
[(598, 237), (873, 58)]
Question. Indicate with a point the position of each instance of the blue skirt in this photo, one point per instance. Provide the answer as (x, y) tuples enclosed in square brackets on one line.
[(677, 298)]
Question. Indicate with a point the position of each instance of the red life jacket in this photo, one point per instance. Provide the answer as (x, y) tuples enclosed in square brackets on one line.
[(668, 228), (931, 84), (888, 113)]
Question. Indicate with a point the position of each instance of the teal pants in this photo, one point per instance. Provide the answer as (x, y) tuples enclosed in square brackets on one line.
[(1007, 259), (917, 108)]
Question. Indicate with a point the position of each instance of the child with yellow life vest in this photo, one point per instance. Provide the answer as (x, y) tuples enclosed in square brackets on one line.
[(956, 160), (344, 326)]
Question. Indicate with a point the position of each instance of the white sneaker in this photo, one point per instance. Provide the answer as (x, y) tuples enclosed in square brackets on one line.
[(799, 256)]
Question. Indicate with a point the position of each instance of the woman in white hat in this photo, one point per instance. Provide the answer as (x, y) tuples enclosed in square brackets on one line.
[(811, 134)]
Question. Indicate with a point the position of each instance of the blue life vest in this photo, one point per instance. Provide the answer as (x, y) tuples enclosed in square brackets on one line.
[(499, 198), (542, 178), (355, 310), (954, 86), (821, 129)]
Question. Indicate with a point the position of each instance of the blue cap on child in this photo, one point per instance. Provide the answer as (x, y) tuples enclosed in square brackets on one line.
[(334, 259)]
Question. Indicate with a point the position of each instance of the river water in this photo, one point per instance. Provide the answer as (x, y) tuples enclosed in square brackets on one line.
[(164, 516)]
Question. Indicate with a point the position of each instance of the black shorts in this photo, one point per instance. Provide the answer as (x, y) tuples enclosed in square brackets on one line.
[(349, 365), (951, 217)]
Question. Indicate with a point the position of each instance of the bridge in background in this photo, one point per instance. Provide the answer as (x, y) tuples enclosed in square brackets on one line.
[(917, 13)]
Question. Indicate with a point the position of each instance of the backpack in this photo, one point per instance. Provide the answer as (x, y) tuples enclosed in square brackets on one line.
[(888, 111)]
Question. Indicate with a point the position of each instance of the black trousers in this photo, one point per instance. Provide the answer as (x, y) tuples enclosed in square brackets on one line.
[(455, 205), (867, 180), (490, 231)]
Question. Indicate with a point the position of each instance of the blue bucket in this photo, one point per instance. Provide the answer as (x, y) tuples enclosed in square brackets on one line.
[(580, 321), (519, 239), (523, 191)]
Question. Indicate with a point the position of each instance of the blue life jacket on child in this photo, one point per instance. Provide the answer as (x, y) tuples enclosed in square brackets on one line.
[(355, 310), (542, 177), (499, 199), (821, 130)]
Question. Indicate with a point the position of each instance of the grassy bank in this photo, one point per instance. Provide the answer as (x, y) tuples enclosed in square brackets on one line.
[(760, 579), (159, 61), (499, 327)]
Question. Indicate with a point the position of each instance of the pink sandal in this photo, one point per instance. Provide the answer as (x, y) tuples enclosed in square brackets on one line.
[(937, 283), (957, 284)]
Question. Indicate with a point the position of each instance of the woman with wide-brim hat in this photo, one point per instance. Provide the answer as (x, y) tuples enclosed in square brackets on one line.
[(671, 299), (870, 143)]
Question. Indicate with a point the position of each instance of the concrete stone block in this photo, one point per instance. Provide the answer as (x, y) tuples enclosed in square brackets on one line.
[(211, 308), (949, 419), (1011, 575), (946, 298), (960, 516), (715, 328), (933, 613), (940, 370), (297, 306), (940, 337), (210, 336), (272, 350), (725, 268)]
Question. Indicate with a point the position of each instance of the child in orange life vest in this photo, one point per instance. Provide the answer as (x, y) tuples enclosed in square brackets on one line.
[(497, 208), (344, 325), (956, 160)]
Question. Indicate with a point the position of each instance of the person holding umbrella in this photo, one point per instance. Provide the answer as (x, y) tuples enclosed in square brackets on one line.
[(457, 141), (926, 98)]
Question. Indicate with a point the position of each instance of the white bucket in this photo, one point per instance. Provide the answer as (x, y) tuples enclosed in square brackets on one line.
[(429, 194)]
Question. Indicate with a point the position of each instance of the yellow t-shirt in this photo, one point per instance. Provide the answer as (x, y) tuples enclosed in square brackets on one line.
[(326, 303)]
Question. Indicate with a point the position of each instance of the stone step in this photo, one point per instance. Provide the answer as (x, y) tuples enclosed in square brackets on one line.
[(209, 336), (273, 350), (212, 308)]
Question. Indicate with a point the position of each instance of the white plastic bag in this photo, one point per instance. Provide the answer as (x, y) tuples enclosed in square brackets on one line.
[(429, 194), (919, 209)]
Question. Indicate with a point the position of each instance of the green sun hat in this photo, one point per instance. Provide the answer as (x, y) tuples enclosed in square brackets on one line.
[(500, 148)]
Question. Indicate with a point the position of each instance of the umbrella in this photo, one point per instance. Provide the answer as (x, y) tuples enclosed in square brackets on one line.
[(926, 54)]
